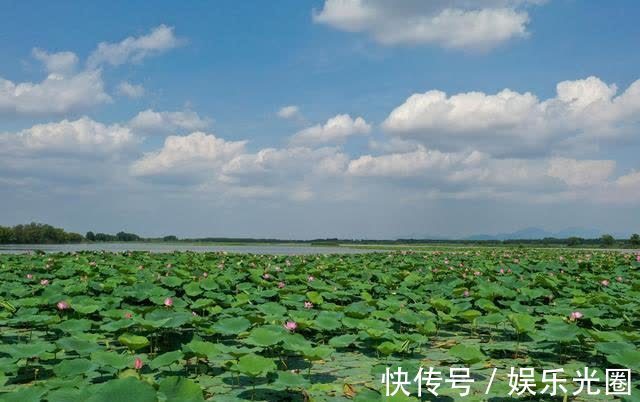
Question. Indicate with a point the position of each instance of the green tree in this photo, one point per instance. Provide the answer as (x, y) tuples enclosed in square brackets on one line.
[(90, 236), (607, 240), (635, 239), (574, 241)]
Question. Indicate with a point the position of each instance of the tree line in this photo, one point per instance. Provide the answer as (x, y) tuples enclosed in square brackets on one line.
[(39, 233)]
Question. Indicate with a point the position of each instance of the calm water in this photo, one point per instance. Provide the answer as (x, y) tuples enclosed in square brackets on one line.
[(168, 248)]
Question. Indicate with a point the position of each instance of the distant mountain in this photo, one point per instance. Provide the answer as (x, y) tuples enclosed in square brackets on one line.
[(537, 233)]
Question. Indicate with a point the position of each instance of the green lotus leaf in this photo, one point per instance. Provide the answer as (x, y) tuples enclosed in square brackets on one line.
[(112, 359), (268, 335), (133, 342), (179, 389), (166, 359), (287, 381), (202, 348), (125, 389), (523, 323), (255, 366), (71, 368), (342, 341), (467, 353), (231, 326)]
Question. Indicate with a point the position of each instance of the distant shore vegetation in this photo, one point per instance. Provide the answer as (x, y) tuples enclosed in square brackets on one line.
[(40, 233)]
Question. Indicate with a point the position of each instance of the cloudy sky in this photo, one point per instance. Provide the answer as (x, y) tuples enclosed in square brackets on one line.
[(325, 118)]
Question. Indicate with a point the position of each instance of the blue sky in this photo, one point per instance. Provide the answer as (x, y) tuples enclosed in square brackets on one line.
[(175, 124)]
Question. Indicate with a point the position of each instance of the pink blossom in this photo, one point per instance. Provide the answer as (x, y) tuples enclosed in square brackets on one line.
[(477, 273), (466, 293), (281, 285), (605, 282), (204, 274), (128, 315), (29, 276), (638, 257), (44, 282), (308, 305), (619, 279), (502, 270), (92, 264), (62, 305), (310, 278), (576, 315), (266, 276), (290, 326), (138, 363), (168, 302)]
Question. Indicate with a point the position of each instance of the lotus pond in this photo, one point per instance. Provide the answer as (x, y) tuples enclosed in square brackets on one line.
[(236, 327)]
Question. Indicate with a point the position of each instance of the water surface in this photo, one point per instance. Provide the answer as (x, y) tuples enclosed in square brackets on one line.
[(275, 249)]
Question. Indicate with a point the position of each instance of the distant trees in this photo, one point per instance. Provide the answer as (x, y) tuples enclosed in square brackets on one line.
[(607, 240), (37, 233), (170, 238), (574, 241), (635, 239), (90, 236)]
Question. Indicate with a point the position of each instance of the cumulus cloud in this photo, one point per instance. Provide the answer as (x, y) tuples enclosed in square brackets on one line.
[(197, 155), (151, 122), (134, 49), (130, 90), (58, 94), (510, 122), (289, 112), (69, 137), (336, 129), (481, 24), (581, 173), (57, 63)]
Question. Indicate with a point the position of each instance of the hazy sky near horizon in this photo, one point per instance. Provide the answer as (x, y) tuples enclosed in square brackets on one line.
[(324, 118)]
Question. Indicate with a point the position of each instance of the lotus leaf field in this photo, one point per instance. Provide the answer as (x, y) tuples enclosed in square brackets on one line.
[(189, 326)]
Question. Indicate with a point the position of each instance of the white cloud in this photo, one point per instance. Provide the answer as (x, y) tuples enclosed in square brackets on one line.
[(581, 173), (81, 136), (57, 94), (336, 129), (480, 24), (510, 122), (58, 63), (197, 155), (152, 122), (134, 49), (130, 90), (289, 112)]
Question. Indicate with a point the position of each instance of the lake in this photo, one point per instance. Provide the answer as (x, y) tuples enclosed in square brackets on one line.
[(285, 249)]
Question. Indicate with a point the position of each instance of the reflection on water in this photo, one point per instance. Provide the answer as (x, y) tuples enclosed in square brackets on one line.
[(168, 248)]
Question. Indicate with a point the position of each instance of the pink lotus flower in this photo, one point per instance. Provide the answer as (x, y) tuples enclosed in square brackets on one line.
[(140, 267), (92, 264), (278, 269), (619, 279), (308, 305), (128, 315), (576, 315), (281, 285), (310, 278), (502, 270), (138, 363), (62, 305), (605, 282), (266, 276), (477, 273), (44, 282), (29, 276), (290, 326), (168, 302), (638, 257), (466, 293), (204, 274)]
